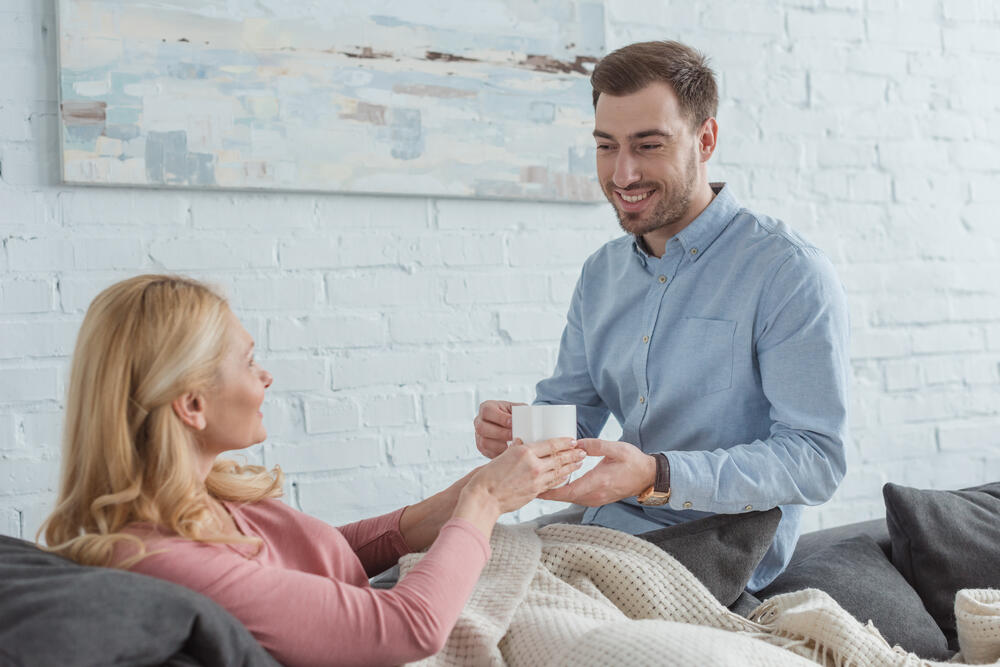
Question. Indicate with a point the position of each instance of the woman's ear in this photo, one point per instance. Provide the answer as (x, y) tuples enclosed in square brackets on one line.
[(190, 408)]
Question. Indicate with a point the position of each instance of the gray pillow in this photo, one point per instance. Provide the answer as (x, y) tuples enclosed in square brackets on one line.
[(856, 573), (944, 541), (55, 612), (722, 550)]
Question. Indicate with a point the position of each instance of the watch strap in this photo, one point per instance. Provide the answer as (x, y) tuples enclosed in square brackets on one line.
[(662, 482)]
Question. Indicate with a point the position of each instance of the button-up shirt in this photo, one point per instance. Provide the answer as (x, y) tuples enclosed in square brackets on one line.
[(729, 354)]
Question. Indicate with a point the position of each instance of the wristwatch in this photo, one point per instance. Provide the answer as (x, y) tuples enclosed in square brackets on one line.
[(659, 492)]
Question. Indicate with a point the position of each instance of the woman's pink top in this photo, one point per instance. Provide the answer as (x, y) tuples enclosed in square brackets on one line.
[(305, 594)]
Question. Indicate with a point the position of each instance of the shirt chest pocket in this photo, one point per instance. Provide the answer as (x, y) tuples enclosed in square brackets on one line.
[(701, 356)]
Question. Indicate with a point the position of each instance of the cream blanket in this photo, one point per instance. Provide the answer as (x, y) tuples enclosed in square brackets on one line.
[(585, 595)]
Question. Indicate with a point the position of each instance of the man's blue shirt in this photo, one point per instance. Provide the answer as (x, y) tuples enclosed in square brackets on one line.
[(729, 354)]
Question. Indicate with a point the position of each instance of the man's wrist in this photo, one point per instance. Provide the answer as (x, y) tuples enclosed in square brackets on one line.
[(662, 482)]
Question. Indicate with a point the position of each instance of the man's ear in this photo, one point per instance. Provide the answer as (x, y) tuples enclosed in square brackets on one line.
[(708, 137), (190, 408)]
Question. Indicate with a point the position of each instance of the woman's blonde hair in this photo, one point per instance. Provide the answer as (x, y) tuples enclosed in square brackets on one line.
[(127, 457)]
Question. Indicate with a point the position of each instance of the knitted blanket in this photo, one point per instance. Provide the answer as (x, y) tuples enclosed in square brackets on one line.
[(586, 595)]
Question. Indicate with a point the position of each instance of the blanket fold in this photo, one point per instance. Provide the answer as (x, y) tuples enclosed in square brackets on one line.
[(586, 595)]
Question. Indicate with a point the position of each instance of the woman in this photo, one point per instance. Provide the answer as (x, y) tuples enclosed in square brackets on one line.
[(164, 380)]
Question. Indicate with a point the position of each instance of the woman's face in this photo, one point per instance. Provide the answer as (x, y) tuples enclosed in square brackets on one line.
[(233, 419)]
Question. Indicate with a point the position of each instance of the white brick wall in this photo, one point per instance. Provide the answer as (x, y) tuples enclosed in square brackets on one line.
[(872, 126)]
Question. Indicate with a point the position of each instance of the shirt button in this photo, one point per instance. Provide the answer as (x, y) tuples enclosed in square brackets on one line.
[(645, 339), (642, 399), (748, 508), (687, 504), (694, 251), (663, 279)]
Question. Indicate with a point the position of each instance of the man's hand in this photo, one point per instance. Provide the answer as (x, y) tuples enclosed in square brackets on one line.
[(493, 427), (625, 471)]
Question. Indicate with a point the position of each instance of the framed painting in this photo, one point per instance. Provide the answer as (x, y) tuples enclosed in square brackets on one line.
[(481, 98)]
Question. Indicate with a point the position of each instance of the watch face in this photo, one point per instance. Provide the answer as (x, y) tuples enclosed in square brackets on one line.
[(654, 499)]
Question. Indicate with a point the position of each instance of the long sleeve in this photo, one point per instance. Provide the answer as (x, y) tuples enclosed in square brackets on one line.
[(305, 618), (802, 350), (570, 383), (377, 541)]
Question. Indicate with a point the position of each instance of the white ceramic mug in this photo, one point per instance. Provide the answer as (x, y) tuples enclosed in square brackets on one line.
[(532, 423)]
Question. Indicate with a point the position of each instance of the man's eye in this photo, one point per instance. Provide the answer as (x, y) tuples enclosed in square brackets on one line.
[(650, 147), (604, 147)]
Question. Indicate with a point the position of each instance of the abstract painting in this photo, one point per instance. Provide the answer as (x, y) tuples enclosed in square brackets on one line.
[(479, 98)]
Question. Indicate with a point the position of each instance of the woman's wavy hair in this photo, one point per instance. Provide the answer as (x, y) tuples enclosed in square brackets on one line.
[(127, 457)]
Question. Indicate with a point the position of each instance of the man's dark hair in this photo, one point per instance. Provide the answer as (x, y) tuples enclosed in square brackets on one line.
[(633, 67)]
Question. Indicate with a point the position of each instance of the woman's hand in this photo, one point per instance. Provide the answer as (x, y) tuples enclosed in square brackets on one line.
[(515, 477)]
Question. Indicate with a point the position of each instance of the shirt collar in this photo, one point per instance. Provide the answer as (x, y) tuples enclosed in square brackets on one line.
[(703, 230)]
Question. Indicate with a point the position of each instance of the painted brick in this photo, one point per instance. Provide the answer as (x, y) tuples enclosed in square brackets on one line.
[(43, 431), (508, 362), (8, 431), (10, 521), (101, 208), (34, 512), (341, 501), (38, 339), (553, 249), (329, 415), (388, 286), (876, 343), (970, 437), (201, 253), (910, 35), (29, 384), (532, 325), (861, 483), (275, 293), (752, 17), (561, 286), (327, 454), (249, 210), (896, 443), (325, 252), (409, 449), (39, 254), (307, 374), (451, 248), (24, 475), (914, 309), (14, 124), (912, 186), (25, 296), (903, 155), (351, 212), (325, 332), (975, 156), (76, 293), (283, 417), (825, 25), (455, 444), (364, 369), (450, 407), (395, 410), (434, 328), (948, 338), (508, 287), (902, 375)]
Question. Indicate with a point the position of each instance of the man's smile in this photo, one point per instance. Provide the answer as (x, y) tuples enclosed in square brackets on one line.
[(633, 201)]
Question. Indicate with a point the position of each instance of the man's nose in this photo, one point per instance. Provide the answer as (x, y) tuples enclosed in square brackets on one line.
[(626, 169)]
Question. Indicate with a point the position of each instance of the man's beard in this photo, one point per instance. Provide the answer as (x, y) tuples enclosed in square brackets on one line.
[(669, 210)]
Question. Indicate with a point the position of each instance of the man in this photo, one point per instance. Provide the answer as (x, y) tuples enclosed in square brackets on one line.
[(716, 336)]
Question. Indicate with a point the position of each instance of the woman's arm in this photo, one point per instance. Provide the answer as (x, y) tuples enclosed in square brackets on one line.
[(308, 619)]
